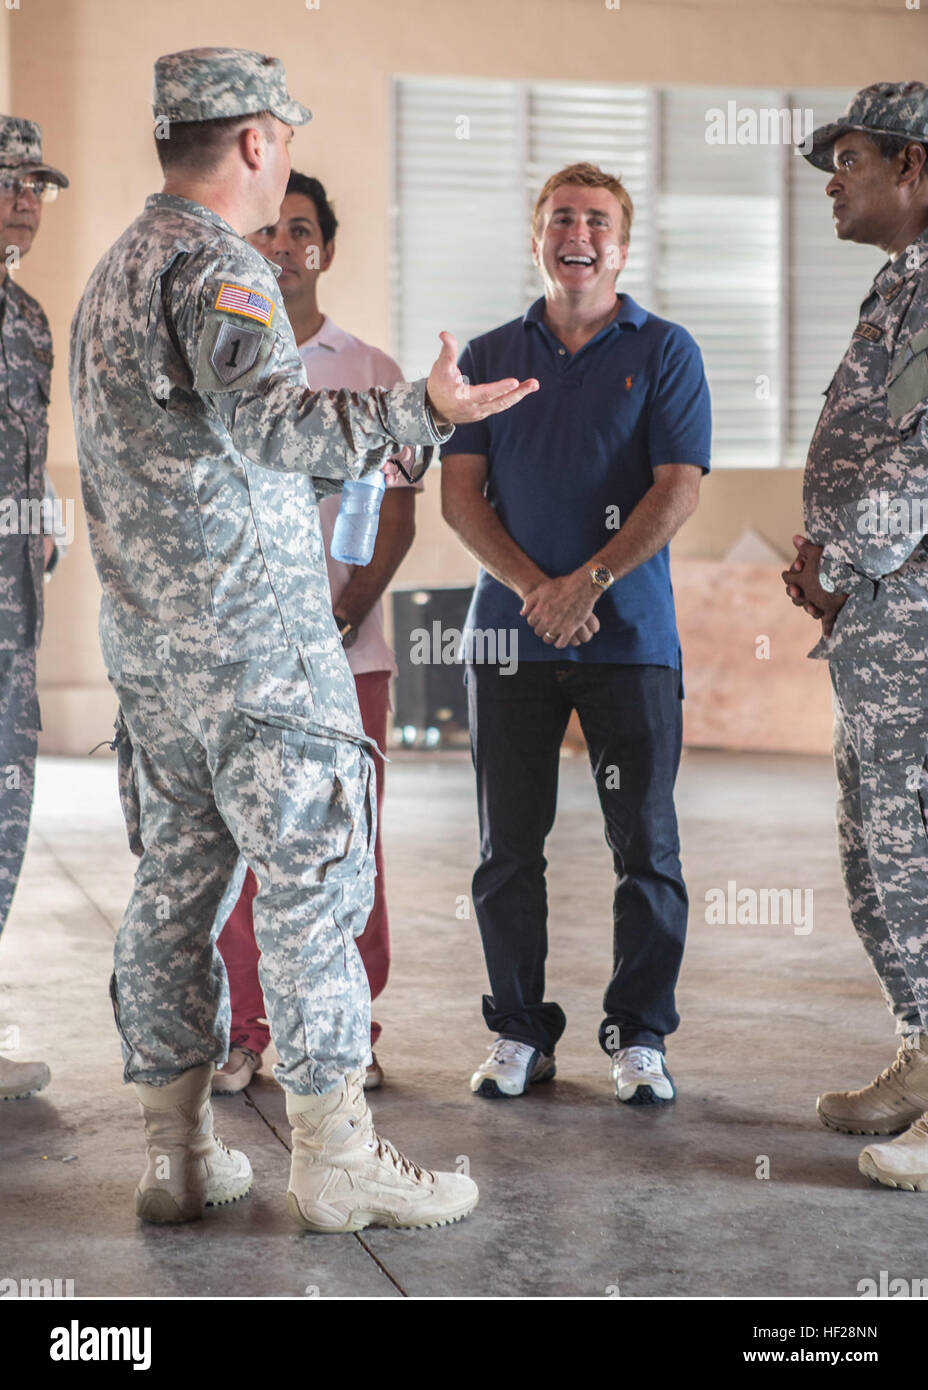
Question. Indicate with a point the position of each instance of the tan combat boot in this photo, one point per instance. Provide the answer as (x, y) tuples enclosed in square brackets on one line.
[(892, 1102), (343, 1177), (20, 1079), (901, 1163), (188, 1167)]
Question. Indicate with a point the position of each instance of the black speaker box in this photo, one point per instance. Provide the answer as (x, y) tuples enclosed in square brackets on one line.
[(430, 700)]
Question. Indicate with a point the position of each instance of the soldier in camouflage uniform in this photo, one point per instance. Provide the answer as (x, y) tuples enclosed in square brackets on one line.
[(202, 456), (26, 548), (862, 568)]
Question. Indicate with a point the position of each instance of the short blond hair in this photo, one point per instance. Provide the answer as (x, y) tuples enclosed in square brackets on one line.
[(587, 176)]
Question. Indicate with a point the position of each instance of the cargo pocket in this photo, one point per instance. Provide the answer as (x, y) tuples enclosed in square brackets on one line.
[(324, 817), (357, 900), (900, 791), (907, 387), (128, 784)]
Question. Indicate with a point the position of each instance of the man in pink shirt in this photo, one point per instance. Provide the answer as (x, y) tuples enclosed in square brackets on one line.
[(302, 243)]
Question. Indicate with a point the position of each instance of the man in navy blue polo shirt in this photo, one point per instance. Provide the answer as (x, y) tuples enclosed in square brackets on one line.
[(569, 502)]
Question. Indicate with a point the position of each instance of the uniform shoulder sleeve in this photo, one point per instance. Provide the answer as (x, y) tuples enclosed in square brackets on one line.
[(35, 316), (229, 324), (229, 320), (907, 382)]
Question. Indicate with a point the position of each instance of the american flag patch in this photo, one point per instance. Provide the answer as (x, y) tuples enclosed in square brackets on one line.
[(247, 302)]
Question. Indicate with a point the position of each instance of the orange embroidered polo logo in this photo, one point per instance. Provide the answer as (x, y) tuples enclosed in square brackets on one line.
[(628, 382)]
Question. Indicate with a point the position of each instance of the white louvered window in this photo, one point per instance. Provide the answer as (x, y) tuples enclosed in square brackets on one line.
[(828, 279), (734, 241), (459, 226), (607, 126)]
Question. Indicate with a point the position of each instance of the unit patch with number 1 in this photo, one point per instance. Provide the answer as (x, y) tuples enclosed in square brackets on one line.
[(237, 339), (235, 351)]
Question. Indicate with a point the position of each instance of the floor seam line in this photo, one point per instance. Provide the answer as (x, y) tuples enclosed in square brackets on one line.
[(363, 1244), (47, 846), (261, 1115), (380, 1264)]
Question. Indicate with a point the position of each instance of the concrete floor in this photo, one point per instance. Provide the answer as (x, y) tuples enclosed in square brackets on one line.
[(579, 1196)]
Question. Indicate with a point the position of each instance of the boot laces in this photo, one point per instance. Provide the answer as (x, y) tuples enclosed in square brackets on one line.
[(206, 1127), (895, 1069), (388, 1153), (355, 1087)]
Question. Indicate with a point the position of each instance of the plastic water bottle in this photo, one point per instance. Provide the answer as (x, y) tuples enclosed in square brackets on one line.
[(356, 524)]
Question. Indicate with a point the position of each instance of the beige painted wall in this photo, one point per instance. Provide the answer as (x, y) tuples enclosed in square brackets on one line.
[(82, 68), (4, 67)]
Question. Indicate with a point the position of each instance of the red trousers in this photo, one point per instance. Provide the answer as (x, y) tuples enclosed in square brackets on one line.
[(237, 939)]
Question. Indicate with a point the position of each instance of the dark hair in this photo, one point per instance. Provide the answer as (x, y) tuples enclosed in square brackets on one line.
[(199, 146), (313, 189), (891, 145)]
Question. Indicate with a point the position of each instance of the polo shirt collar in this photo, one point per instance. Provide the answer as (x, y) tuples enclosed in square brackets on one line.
[(630, 312), (328, 336)]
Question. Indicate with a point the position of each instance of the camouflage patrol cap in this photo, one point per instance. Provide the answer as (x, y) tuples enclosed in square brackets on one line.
[(206, 84), (883, 108), (21, 150)]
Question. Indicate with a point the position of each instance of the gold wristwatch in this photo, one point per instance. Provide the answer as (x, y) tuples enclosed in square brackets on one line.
[(601, 576)]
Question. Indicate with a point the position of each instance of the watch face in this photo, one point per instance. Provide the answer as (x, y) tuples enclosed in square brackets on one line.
[(602, 575), (826, 583)]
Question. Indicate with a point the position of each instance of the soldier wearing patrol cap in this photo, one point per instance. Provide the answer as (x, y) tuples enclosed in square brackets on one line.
[(862, 569), (202, 457), (27, 549)]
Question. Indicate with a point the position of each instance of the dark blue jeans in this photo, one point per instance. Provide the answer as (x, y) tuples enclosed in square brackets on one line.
[(631, 717)]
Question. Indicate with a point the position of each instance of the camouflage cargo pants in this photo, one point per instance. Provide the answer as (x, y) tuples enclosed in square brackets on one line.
[(231, 759), (881, 758), (19, 726)]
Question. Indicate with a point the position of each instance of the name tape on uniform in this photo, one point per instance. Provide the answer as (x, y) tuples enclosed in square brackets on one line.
[(871, 331), (249, 303)]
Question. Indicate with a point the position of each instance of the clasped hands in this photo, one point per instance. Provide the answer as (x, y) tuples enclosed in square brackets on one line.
[(803, 587), (560, 610)]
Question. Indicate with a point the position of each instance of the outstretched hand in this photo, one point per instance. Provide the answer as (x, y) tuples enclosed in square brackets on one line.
[(454, 401)]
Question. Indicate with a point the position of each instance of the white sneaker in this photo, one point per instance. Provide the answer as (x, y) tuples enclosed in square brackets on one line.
[(641, 1076), (510, 1069), (21, 1079)]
